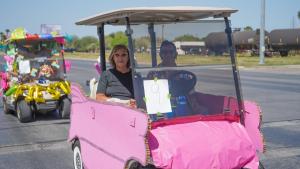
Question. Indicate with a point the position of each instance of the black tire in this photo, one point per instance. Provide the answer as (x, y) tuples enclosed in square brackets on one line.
[(6, 110), (24, 112), (77, 157), (65, 108), (132, 164), (284, 53), (261, 165)]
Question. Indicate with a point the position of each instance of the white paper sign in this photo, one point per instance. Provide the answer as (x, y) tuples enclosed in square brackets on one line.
[(157, 96), (24, 67)]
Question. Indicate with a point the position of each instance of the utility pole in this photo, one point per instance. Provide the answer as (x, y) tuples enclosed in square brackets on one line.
[(162, 32), (262, 34), (293, 22)]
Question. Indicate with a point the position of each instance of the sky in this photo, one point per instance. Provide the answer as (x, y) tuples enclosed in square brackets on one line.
[(30, 14)]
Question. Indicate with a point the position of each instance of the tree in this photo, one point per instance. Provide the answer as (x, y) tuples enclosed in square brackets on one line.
[(73, 43), (92, 47), (119, 38), (298, 14), (142, 43), (7, 32), (2, 36), (187, 37), (2, 39), (248, 28), (108, 40), (84, 44)]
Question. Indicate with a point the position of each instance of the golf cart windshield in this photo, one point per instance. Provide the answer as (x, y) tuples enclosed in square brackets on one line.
[(39, 59), (183, 77)]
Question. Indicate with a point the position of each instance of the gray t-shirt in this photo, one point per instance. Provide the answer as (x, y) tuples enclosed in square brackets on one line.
[(116, 84)]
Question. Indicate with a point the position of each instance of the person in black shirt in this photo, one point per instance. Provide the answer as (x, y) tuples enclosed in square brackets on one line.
[(168, 54), (116, 83)]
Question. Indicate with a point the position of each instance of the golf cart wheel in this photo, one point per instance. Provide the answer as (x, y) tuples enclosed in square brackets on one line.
[(261, 165), (132, 164), (24, 112), (65, 108), (77, 158), (6, 110)]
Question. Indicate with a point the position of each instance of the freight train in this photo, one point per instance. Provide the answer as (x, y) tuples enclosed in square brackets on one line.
[(277, 41)]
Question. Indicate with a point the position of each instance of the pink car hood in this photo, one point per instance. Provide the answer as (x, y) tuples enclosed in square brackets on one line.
[(202, 144)]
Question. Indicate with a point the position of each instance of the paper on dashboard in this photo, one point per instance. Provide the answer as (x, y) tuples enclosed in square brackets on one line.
[(157, 96)]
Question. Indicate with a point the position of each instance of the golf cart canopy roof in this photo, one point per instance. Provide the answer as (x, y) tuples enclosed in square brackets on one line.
[(141, 15)]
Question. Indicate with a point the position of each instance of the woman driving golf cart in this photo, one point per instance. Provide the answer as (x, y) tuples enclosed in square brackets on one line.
[(116, 84)]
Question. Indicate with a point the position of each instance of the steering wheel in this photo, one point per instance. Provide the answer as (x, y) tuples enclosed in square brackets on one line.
[(182, 82), (159, 74)]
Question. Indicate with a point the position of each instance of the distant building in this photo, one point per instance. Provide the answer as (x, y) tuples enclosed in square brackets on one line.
[(190, 47)]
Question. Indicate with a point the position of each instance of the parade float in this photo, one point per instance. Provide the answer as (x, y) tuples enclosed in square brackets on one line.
[(33, 75), (187, 116)]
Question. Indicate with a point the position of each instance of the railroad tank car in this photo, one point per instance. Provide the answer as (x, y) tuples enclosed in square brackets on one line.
[(216, 43), (284, 40)]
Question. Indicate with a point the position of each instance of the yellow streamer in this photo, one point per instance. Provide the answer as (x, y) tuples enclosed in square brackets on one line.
[(29, 96), (64, 87), (20, 90), (54, 94), (35, 92)]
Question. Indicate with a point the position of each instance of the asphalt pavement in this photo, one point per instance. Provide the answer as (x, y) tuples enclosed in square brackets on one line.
[(277, 90)]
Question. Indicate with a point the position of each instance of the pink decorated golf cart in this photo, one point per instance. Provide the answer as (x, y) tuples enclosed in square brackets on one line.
[(190, 115)]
